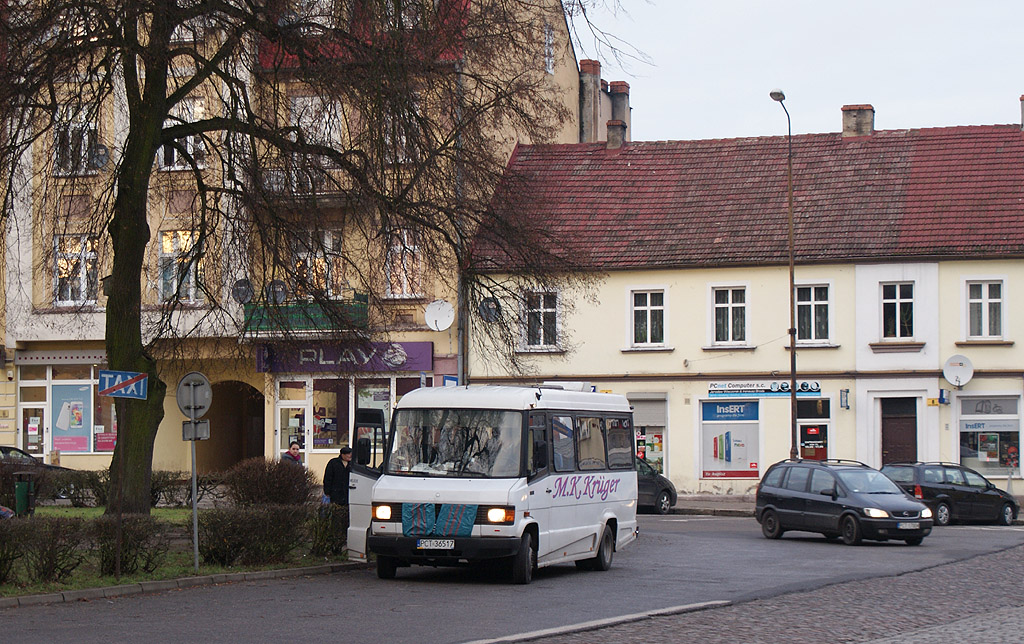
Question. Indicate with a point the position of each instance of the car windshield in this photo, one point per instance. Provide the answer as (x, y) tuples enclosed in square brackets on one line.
[(482, 443), (868, 482)]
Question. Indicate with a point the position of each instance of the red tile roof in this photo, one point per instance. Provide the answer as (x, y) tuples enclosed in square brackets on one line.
[(953, 192)]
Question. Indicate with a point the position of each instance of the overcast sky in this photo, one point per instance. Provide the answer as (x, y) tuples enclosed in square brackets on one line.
[(919, 63)]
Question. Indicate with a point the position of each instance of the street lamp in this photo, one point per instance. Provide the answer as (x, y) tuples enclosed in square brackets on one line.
[(778, 95)]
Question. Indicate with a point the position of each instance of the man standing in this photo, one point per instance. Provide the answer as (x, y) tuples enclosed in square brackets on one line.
[(336, 477)]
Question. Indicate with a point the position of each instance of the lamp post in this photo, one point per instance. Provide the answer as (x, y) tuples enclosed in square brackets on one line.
[(780, 97)]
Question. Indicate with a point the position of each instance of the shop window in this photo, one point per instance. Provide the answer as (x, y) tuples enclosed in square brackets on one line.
[(990, 434), (812, 421), (729, 439), (330, 413)]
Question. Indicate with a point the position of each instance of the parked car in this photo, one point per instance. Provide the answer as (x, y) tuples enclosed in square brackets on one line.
[(840, 499), (654, 490), (14, 456), (954, 492)]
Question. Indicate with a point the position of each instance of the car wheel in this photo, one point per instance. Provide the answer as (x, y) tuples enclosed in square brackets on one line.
[(664, 502), (386, 567), (524, 561), (1006, 514), (770, 526), (850, 528), (942, 514), (916, 541)]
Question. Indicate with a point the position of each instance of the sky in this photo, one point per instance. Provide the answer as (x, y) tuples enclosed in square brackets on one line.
[(932, 63)]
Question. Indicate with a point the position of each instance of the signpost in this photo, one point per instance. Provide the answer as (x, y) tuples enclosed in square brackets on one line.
[(194, 396)]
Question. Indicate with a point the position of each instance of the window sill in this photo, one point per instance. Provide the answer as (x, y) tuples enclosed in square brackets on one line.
[(728, 347), (814, 345), (985, 343), (896, 347), (651, 349), (548, 350), (83, 307)]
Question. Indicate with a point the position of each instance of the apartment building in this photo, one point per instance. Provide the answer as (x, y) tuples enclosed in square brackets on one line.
[(285, 371), (908, 288)]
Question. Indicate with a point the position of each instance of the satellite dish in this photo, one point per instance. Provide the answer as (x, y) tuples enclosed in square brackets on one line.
[(242, 291), (958, 370), (277, 292), (489, 309), (439, 315)]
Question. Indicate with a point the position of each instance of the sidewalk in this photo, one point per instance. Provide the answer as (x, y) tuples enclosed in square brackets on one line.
[(727, 505)]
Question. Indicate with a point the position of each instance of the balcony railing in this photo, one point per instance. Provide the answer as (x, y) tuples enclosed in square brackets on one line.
[(307, 315)]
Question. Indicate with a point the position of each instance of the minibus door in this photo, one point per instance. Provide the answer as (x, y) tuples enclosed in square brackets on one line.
[(360, 495)]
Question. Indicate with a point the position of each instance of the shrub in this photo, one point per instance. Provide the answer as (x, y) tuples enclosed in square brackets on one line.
[(257, 481), (52, 547), (42, 481), (10, 547), (171, 487), (143, 543), (251, 535), (329, 530)]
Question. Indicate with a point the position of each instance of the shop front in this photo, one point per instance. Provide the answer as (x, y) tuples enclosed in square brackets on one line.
[(320, 390)]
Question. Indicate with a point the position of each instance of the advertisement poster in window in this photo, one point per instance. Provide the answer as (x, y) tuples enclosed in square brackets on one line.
[(72, 429), (729, 439)]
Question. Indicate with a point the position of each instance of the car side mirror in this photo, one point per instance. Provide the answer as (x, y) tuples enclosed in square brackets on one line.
[(831, 492)]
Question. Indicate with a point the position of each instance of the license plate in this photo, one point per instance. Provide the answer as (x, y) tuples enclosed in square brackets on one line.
[(908, 525), (435, 544)]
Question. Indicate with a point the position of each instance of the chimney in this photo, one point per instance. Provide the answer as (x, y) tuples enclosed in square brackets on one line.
[(616, 134), (620, 104), (858, 120), (590, 99), (1022, 112)]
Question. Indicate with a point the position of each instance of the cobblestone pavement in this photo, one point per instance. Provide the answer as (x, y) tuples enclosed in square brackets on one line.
[(979, 600)]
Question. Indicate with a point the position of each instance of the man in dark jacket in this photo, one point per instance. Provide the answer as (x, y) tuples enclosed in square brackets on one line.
[(336, 477)]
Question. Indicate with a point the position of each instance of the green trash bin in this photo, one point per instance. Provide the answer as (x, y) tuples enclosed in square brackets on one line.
[(24, 493)]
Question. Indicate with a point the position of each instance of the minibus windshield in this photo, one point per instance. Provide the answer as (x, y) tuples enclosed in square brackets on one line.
[(482, 443)]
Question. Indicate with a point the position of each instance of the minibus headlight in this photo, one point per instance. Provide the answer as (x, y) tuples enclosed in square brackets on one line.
[(501, 515), (382, 512)]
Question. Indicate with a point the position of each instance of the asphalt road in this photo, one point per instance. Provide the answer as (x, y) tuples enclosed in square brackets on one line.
[(678, 561)]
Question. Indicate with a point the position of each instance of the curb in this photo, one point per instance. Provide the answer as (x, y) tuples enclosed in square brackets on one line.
[(161, 585), (718, 512)]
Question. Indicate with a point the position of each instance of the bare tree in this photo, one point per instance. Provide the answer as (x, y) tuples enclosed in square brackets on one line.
[(192, 150)]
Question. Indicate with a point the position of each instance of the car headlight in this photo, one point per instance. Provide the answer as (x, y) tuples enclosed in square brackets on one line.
[(501, 515), (926, 513), (875, 513)]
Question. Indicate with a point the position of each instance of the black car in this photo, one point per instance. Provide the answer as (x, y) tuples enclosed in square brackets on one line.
[(954, 492), (654, 489), (839, 499), (12, 456)]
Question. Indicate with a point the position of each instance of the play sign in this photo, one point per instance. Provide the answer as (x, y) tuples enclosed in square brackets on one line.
[(124, 384)]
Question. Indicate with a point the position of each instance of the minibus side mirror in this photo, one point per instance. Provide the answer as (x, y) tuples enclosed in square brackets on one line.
[(363, 451)]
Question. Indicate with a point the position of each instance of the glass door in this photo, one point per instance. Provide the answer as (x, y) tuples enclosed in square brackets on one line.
[(32, 424)]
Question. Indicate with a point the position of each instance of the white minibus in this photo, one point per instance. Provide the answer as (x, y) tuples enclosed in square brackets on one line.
[(534, 476)]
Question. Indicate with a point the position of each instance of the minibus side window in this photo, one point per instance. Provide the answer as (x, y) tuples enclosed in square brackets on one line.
[(537, 445), (591, 441), (620, 444), (563, 454)]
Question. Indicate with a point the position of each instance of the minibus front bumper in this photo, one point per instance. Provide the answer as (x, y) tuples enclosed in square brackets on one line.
[(464, 549)]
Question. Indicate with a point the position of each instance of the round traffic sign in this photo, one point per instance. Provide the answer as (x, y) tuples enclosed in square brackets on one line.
[(194, 394)]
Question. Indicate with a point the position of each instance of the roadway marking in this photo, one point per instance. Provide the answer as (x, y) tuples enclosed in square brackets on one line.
[(602, 623)]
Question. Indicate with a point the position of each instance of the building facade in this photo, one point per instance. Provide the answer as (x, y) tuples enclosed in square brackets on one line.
[(908, 286)]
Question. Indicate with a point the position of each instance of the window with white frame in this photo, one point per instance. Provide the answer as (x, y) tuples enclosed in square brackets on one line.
[(898, 310), (730, 315), (549, 48), (75, 140), (75, 270), (402, 266), (812, 304), (184, 151), (541, 320), (317, 261), (401, 133), (403, 14), (180, 266), (985, 309), (648, 318)]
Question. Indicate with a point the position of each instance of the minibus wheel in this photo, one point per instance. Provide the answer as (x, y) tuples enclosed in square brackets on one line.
[(524, 561)]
